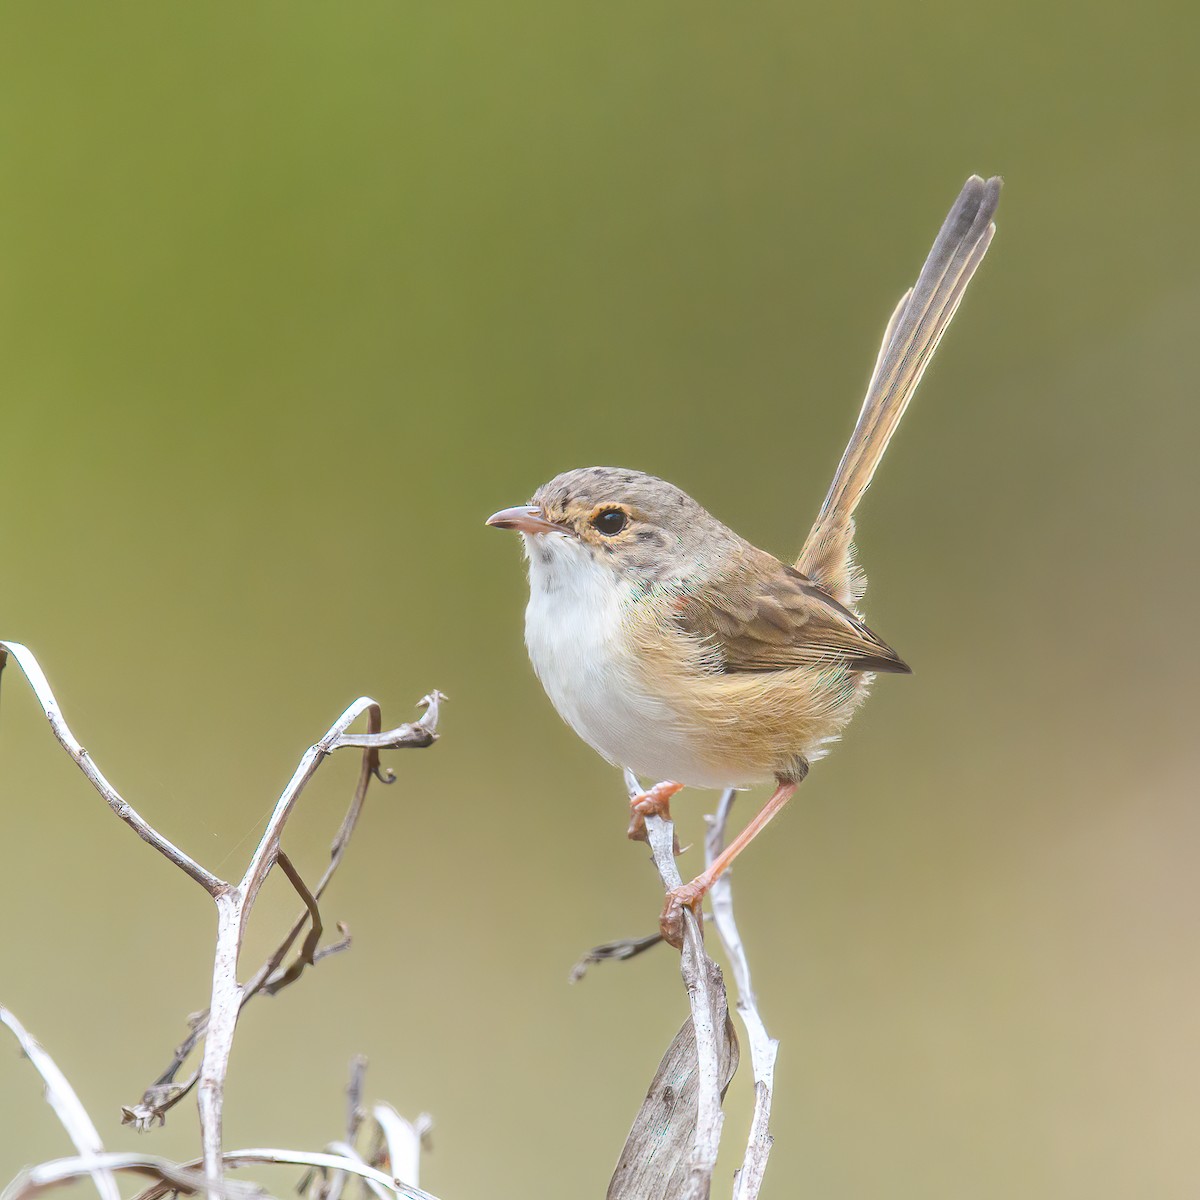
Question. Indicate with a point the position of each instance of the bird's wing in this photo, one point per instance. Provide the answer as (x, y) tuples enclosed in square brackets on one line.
[(766, 616)]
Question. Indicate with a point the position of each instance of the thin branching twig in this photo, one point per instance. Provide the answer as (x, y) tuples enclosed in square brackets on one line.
[(271, 977), (234, 903)]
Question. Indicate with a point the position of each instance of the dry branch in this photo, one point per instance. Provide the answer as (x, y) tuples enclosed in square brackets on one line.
[(234, 902), (173, 1177), (392, 1141), (641, 1171), (187, 1178), (70, 743), (672, 1148), (763, 1048), (647, 1166)]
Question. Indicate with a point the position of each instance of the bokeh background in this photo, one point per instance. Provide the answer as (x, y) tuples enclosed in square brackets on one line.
[(293, 295)]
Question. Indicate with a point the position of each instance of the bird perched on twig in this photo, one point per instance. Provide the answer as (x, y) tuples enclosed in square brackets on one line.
[(677, 649)]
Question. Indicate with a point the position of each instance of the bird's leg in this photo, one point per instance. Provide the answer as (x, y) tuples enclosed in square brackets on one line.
[(654, 803), (689, 895)]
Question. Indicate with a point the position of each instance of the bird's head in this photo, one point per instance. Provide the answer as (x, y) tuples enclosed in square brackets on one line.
[(638, 526)]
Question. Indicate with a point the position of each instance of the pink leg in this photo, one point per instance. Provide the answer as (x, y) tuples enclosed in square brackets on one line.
[(689, 895)]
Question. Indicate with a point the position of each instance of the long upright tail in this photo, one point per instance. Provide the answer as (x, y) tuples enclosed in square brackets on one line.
[(909, 341)]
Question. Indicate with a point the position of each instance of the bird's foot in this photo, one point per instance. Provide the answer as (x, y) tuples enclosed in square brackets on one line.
[(687, 895), (654, 803)]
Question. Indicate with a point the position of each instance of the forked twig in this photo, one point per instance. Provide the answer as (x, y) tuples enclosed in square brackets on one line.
[(234, 903), (272, 976)]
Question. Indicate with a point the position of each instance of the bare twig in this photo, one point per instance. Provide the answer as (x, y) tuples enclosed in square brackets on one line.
[(328, 1162), (308, 950), (355, 1112), (326, 1185), (404, 1140), (217, 1026), (41, 689), (188, 1179), (235, 904), (329, 1185), (617, 951), (396, 1143), (172, 1177), (700, 976), (235, 901), (763, 1048), (67, 1106), (271, 977)]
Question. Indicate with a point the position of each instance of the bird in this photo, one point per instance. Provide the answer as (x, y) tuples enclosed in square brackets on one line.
[(683, 653)]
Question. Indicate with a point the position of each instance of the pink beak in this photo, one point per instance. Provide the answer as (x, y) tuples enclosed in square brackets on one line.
[(526, 517)]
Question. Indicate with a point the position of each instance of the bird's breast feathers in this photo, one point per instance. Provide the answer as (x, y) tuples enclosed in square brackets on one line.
[(649, 695), (577, 632)]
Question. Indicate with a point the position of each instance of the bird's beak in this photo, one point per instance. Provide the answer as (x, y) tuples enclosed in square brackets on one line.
[(527, 518)]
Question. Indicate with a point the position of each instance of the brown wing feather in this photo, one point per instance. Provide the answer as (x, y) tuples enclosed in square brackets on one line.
[(766, 616)]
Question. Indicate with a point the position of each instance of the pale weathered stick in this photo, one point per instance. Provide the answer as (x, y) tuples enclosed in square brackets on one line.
[(70, 743), (332, 1183), (763, 1048), (699, 974), (235, 903), (393, 1139), (173, 1177), (67, 1106), (404, 1140), (187, 1178), (271, 977), (328, 1162)]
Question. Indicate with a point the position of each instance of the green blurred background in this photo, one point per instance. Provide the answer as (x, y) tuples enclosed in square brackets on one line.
[(293, 295)]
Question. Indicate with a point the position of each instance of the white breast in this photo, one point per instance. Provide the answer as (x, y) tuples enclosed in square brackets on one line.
[(573, 630)]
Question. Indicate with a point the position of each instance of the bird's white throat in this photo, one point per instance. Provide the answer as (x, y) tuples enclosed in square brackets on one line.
[(575, 630)]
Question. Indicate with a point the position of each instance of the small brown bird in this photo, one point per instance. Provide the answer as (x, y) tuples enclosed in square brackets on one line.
[(680, 651)]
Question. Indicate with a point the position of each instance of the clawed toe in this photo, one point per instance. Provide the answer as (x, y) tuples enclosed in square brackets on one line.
[(687, 895), (653, 803)]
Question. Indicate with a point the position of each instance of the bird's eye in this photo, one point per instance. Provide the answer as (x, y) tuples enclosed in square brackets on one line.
[(610, 522)]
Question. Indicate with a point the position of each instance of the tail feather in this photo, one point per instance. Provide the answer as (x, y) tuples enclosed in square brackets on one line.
[(911, 337)]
